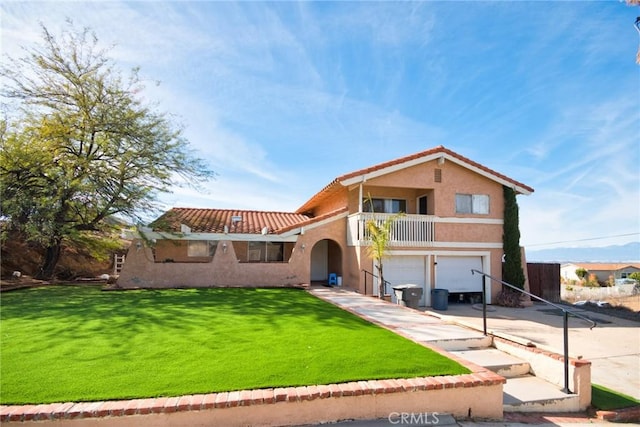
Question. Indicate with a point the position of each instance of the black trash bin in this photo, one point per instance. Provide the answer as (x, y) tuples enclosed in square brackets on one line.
[(439, 299), (408, 295), (411, 296)]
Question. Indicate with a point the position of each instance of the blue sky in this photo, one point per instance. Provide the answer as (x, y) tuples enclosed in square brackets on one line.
[(282, 97)]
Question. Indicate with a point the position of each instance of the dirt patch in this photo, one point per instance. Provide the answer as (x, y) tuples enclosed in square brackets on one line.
[(630, 302), (25, 282), (618, 301), (19, 256), (622, 307)]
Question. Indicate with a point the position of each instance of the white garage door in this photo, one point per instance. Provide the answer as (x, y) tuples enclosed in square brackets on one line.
[(404, 270), (454, 273)]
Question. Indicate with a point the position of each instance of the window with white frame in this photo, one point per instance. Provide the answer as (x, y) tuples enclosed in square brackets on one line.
[(201, 248), (472, 204), (384, 205)]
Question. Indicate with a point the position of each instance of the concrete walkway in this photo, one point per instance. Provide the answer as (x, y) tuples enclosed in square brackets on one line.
[(410, 323), (613, 347)]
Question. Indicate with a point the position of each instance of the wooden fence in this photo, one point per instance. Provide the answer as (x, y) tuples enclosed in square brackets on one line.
[(544, 280)]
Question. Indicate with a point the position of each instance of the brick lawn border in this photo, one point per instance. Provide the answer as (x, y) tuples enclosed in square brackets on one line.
[(244, 398)]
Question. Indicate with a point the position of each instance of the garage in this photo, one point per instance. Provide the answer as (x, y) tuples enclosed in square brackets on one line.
[(454, 274), (402, 270)]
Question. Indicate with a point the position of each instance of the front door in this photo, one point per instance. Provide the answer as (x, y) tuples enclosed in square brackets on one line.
[(320, 261)]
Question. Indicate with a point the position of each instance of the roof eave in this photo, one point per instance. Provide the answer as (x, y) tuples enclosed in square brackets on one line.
[(361, 178)]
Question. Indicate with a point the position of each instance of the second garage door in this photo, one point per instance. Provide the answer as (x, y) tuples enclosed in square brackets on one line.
[(454, 273)]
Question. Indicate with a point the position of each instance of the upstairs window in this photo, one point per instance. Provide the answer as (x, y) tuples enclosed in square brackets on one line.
[(472, 204), (384, 205)]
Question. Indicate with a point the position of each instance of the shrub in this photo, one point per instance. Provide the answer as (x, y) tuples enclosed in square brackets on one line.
[(581, 272), (592, 281)]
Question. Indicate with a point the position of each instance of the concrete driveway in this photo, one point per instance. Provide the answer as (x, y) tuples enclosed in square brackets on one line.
[(613, 347)]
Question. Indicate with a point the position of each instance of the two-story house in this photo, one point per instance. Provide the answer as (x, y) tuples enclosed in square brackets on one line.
[(452, 223)]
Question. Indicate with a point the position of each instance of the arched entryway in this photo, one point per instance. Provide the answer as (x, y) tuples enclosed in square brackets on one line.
[(326, 258)]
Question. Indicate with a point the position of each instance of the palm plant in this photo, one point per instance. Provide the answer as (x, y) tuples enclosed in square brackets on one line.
[(379, 238)]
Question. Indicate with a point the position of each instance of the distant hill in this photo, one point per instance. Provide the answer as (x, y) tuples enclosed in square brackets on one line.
[(618, 253)]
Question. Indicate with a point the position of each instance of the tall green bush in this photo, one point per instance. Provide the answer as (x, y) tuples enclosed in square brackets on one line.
[(512, 273)]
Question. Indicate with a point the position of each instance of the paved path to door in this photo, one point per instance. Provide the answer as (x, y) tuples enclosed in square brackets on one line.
[(413, 324), (613, 347)]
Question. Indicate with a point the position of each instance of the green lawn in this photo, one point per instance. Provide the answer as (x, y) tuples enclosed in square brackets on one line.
[(76, 343), (607, 399)]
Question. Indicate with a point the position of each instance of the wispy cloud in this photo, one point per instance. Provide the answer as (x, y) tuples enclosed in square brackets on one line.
[(593, 162), (281, 97)]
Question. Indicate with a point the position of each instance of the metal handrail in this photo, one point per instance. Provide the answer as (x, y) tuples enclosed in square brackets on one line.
[(386, 282), (565, 315)]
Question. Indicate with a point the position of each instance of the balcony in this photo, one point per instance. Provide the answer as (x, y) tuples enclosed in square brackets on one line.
[(406, 231)]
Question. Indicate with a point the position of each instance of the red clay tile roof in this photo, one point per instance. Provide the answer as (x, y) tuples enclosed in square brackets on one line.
[(214, 221), (316, 219), (601, 266), (333, 185)]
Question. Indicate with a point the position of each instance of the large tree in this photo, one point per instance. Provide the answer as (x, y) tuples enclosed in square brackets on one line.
[(80, 146)]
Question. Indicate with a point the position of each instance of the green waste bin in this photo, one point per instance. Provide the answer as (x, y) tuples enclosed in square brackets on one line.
[(439, 299)]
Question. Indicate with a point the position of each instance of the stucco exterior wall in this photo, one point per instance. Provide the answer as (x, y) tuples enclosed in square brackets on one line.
[(335, 231), (468, 232), (224, 269), (418, 176)]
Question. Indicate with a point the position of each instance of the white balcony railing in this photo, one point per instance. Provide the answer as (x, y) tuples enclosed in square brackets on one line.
[(406, 231)]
